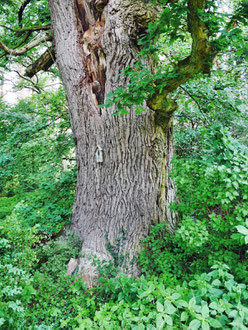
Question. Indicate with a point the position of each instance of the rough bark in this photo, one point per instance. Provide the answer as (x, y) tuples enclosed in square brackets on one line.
[(130, 189)]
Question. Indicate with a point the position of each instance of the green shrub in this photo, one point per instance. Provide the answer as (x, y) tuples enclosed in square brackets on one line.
[(34, 287), (58, 296), (213, 191), (50, 205), (211, 300), (7, 204), (17, 260)]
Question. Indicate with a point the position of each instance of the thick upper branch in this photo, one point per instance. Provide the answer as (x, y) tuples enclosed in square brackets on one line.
[(199, 59)]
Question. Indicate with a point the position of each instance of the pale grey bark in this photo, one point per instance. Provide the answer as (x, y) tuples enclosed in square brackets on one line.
[(130, 189), (24, 49)]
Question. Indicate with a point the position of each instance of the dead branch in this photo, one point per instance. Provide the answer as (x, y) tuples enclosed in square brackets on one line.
[(43, 63)]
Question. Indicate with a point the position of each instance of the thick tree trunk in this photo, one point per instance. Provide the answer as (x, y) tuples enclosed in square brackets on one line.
[(120, 197)]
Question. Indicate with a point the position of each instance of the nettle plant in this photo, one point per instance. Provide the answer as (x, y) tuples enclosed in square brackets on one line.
[(242, 234)]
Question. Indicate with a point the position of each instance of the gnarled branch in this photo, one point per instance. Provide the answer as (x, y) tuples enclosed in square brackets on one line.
[(198, 61), (35, 88)]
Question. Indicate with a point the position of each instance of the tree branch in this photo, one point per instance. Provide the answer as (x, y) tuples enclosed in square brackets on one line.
[(48, 124), (70, 159), (35, 88), (21, 42), (43, 63), (197, 103), (24, 49), (31, 28), (199, 60), (21, 10)]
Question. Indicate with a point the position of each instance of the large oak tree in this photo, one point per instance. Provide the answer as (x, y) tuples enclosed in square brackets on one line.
[(123, 183), (120, 197)]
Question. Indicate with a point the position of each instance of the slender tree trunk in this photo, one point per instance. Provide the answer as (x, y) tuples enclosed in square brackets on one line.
[(120, 197)]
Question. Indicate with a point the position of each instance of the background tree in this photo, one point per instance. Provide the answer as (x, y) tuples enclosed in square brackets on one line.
[(26, 40)]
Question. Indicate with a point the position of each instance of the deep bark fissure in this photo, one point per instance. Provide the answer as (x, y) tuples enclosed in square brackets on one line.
[(130, 189)]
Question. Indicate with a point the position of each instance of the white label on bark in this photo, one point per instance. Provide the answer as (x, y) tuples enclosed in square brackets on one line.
[(99, 155)]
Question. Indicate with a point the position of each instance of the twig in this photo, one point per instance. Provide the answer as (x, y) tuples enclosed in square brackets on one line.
[(197, 103), (48, 124), (37, 89)]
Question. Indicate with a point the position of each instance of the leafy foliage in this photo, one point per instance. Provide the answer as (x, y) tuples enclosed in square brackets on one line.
[(33, 276), (225, 31), (212, 300), (17, 260), (194, 279), (212, 190), (36, 149), (15, 21)]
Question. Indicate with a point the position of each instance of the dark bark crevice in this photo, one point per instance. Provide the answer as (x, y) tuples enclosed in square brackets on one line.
[(82, 15), (95, 60), (91, 27)]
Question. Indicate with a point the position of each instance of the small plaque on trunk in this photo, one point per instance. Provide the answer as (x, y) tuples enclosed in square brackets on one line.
[(99, 154)]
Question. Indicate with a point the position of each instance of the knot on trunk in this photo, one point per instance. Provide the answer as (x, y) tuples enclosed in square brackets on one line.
[(100, 4), (137, 16), (164, 107)]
